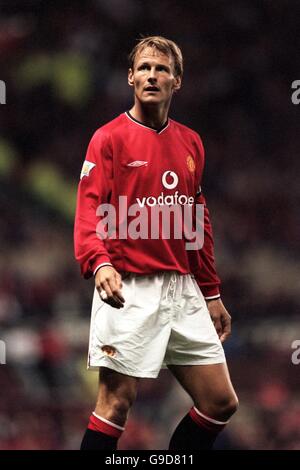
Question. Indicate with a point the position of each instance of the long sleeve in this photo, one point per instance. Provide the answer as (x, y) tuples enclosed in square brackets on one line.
[(202, 263), (94, 188), (206, 275)]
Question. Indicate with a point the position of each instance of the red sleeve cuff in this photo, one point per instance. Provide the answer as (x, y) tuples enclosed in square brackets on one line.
[(210, 291)]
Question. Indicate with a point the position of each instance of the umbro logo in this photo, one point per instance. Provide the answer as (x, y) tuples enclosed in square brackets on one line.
[(137, 163)]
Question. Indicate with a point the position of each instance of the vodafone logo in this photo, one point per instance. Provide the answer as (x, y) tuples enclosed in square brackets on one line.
[(171, 176), (170, 181)]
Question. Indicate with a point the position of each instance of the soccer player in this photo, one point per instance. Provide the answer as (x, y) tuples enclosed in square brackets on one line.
[(156, 303)]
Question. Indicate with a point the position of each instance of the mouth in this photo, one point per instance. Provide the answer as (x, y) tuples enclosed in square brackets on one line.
[(152, 88)]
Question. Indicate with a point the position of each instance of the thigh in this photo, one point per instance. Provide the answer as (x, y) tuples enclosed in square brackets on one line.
[(208, 385)]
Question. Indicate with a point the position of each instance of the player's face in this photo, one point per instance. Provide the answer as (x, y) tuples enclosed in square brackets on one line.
[(153, 77)]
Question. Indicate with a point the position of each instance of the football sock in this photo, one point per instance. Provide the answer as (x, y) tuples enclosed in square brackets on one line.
[(101, 434), (196, 432)]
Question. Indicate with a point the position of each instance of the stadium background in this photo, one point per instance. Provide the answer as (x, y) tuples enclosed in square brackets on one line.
[(65, 68)]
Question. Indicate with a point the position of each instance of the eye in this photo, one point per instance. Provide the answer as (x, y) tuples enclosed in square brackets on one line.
[(143, 67), (162, 68)]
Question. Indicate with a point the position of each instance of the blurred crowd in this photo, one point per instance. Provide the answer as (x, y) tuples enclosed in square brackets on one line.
[(65, 68)]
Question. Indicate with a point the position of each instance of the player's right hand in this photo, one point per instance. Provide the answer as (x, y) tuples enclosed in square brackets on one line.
[(108, 281)]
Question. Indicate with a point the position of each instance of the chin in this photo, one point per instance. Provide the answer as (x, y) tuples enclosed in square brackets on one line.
[(151, 99)]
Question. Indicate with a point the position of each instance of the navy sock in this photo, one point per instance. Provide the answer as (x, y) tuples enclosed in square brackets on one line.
[(195, 432), (95, 440), (101, 434)]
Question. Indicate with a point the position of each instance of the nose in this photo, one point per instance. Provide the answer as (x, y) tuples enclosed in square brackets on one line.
[(152, 75)]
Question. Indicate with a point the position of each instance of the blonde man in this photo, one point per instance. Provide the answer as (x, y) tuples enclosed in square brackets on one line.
[(156, 302)]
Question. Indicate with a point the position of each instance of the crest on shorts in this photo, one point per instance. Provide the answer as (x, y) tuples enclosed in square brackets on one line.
[(190, 163), (109, 350), (86, 168)]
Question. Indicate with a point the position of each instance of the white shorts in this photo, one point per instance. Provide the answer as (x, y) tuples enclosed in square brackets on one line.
[(164, 321)]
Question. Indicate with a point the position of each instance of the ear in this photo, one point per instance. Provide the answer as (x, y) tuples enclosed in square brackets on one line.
[(130, 77), (177, 83)]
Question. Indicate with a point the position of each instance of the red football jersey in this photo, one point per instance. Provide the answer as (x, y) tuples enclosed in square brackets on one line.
[(145, 168)]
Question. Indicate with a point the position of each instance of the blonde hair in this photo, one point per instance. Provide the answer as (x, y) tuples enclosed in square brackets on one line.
[(166, 46)]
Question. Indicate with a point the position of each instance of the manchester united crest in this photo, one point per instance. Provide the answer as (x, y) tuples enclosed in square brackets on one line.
[(190, 163), (109, 350)]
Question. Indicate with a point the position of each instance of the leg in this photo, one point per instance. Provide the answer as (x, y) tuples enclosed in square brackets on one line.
[(210, 388), (121, 329), (215, 401), (117, 393)]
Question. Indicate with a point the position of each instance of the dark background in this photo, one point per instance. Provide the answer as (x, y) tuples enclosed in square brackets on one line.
[(65, 68)]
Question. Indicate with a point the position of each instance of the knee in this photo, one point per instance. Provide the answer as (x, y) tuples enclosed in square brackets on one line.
[(118, 405), (222, 407), (116, 395), (230, 407)]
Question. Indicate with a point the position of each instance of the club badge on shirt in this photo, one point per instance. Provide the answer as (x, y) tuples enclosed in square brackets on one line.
[(190, 163), (86, 168)]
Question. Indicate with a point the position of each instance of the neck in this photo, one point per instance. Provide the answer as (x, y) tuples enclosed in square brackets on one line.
[(152, 116)]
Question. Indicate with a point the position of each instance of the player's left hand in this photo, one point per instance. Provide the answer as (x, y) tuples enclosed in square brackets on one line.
[(220, 317)]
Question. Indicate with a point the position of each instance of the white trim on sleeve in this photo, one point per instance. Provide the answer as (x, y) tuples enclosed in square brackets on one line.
[(100, 266), (212, 297)]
